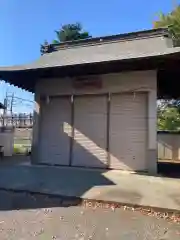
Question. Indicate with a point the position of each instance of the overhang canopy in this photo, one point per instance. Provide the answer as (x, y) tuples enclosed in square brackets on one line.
[(150, 49)]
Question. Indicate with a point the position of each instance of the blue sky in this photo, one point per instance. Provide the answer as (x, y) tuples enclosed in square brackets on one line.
[(24, 25)]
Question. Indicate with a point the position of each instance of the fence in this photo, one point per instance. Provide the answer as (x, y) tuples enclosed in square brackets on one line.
[(168, 142), (22, 126), (17, 120), (169, 146), (22, 140)]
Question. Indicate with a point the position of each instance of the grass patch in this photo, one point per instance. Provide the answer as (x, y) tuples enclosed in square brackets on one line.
[(21, 149)]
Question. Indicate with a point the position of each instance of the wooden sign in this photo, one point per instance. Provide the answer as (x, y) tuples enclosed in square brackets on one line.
[(92, 82)]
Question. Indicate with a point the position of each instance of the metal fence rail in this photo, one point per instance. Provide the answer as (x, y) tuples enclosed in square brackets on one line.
[(22, 140), (17, 120)]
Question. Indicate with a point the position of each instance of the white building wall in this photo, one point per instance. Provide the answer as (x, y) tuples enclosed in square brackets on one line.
[(142, 81), (117, 82)]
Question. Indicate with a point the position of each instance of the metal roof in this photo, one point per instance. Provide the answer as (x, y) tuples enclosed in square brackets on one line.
[(93, 54), (104, 39), (110, 48), (119, 48)]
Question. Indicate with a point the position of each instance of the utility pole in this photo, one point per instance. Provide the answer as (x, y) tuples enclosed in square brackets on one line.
[(11, 104), (5, 109)]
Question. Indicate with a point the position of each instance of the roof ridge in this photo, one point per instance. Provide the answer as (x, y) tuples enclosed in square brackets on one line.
[(109, 38)]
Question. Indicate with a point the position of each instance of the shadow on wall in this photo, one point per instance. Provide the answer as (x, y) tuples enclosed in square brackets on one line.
[(127, 143), (165, 151), (89, 149), (169, 154), (168, 146)]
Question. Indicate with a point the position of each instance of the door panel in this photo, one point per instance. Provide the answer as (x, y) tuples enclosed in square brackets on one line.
[(56, 131), (128, 129), (90, 131)]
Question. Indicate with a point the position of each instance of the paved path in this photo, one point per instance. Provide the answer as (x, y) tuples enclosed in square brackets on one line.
[(94, 184), (81, 223)]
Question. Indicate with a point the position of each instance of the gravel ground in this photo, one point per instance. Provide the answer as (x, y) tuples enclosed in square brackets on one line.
[(45, 218)]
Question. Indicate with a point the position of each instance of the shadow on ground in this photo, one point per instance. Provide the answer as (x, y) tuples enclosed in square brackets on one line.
[(57, 181), (10, 200), (17, 159), (168, 169)]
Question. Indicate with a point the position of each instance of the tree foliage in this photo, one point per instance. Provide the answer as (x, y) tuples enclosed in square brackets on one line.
[(169, 111), (68, 32), (168, 116), (71, 32), (172, 21)]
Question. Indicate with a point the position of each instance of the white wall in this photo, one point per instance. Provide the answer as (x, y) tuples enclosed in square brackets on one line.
[(143, 81), (7, 141), (117, 82)]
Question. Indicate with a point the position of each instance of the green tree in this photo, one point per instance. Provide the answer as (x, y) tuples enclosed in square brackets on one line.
[(169, 111), (168, 118), (71, 32), (172, 21), (68, 32)]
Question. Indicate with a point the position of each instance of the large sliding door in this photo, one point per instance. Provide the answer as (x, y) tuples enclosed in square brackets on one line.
[(90, 131), (128, 131), (55, 132), (80, 133)]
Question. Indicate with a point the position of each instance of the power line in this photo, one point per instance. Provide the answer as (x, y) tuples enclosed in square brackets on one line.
[(11, 101), (23, 99)]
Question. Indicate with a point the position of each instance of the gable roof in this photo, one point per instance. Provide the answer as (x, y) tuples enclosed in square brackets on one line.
[(110, 38), (117, 48), (108, 48)]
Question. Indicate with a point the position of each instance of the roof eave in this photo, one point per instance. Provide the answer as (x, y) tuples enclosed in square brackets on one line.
[(27, 78)]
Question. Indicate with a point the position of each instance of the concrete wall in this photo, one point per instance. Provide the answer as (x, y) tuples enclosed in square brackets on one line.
[(7, 141), (143, 81), (168, 146)]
